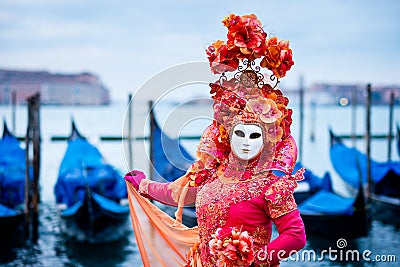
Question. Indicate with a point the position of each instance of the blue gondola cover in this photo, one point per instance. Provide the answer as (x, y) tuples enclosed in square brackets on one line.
[(12, 172), (83, 166), (325, 202), (350, 163), (171, 160)]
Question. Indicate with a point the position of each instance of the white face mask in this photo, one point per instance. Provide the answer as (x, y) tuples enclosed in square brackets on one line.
[(246, 141)]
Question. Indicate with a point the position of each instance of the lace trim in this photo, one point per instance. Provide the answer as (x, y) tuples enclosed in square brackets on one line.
[(144, 186)]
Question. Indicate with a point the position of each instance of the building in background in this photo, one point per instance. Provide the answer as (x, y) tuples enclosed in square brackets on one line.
[(54, 88), (344, 94)]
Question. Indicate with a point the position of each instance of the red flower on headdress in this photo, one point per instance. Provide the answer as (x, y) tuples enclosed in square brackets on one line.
[(221, 58), (246, 33), (278, 57)]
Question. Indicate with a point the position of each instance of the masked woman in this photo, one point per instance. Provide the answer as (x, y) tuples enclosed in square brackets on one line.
[(242, 181)]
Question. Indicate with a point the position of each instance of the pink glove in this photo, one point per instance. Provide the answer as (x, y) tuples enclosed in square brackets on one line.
[(292, 237), (134, 177)]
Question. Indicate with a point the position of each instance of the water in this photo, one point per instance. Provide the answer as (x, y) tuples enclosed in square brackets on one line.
[(52, 249)]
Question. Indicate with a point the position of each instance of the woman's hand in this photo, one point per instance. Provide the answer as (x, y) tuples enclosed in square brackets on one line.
[(134, 177)]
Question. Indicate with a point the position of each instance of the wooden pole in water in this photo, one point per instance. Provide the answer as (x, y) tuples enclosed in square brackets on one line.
[(33, 136), (301, 92), (391, 106), (368, 140), (353, 117), (28, 194), (130, 139), (313, 120), (151, 141), (14, 110)]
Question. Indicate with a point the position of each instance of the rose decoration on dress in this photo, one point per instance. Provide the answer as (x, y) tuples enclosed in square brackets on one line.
[(247, 40), (232, 247)]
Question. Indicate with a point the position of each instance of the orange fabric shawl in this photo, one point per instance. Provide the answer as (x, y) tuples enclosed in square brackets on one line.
[(162, 241)]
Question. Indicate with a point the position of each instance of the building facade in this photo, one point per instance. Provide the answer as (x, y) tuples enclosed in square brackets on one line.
[(54, 88)]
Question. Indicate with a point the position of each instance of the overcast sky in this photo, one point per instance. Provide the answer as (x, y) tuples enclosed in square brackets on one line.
[(126, 42)]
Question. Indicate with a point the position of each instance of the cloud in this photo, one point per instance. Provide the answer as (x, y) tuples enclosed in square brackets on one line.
[(126, 42)]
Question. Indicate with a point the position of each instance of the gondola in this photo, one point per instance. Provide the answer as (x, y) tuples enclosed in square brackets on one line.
[(12, 190), (328, 214), (398, 140), (90, 194), (351, 165), (311, 184), (170, 160)]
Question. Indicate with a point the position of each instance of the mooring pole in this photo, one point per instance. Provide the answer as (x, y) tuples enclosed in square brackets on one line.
[(28, 186), (313, 120), (368, 137), (151, 141), (301, 92), (130, 139), (391, 107), (14, 111), (353, 117), (33, 136)]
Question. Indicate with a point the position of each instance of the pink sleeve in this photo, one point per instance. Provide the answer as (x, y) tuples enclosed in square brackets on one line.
[(292, 237), (161, 192)]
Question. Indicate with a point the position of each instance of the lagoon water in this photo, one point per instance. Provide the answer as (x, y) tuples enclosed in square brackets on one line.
[(52, 249)]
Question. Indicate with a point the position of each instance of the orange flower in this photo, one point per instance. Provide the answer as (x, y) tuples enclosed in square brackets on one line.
[(272, 56), (230, 19), (287, 62), (278, 57)]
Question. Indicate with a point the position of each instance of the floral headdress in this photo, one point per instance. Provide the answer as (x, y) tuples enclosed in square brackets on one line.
[(248, 41), (247, 97)]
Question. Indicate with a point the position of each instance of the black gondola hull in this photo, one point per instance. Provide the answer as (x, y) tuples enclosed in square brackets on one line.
[(93, 224), (12, 231), (338, 226), (386, 209)]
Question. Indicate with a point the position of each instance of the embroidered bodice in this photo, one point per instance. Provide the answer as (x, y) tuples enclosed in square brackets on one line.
[(249, 205)]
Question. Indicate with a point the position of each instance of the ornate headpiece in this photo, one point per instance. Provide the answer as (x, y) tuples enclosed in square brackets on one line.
[(247, 97), (248, 41)]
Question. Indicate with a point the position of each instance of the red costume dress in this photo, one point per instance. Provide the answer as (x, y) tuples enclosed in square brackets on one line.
[(232, 195), (252, 205)]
